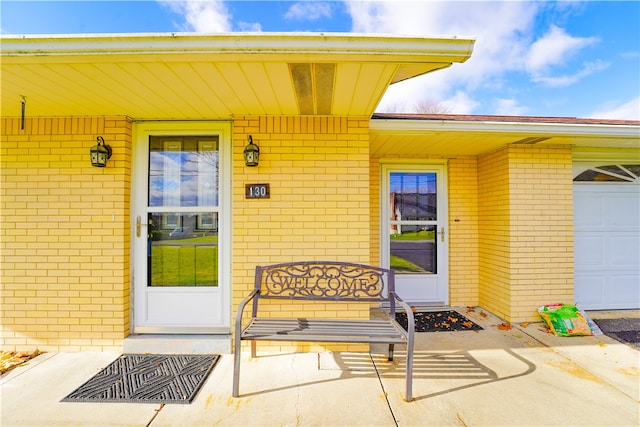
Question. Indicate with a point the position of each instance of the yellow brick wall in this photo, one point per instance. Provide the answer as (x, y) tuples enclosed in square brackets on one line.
[(64, 235), (374, 184), (526, 229), (493, 227), (65, 242), (542, 228), (463, 231), (319, 207)]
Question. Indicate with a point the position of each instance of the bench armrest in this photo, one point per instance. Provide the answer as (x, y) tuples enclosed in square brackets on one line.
[(411, 328), (254, 293), (411, 323)]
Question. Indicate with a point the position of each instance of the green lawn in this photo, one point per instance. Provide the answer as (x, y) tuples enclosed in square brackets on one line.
[(415, 235), (402, 265), (185, 265)]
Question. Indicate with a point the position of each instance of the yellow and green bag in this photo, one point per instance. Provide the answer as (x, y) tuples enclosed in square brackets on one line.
[(565, 320)]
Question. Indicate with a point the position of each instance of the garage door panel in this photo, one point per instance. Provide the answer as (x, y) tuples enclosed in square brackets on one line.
[(623, 211), (589, 290), (607, 292), (589, 212), (622, 290), (607, 245), (589, 251), (625, 251)]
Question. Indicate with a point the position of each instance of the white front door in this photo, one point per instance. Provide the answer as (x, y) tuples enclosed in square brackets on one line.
[(181, 228), (414, 231)]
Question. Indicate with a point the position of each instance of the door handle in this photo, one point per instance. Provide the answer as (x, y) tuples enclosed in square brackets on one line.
[(441, 234), (139, 226)]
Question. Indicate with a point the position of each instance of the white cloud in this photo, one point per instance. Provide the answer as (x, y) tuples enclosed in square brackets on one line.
[(509, 107), (501, 30), (203, 16), (505, 47), (554, 48), (403, 96), (309, 11), (629, 110), (630, 55), (461, 103), (250, 26), (566, 80), (432, 90)]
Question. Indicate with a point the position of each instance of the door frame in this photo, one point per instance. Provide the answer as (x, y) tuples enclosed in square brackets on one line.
[(139, 176), (387, 166)]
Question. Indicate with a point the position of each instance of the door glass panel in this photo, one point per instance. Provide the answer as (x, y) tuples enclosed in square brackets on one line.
[(183, 241), (182, 249), (413, 196), (183, 171), (413, 250), (413, 215)]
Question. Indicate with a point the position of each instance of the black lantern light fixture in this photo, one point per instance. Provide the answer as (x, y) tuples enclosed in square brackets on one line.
[(251, 153), (100, 153)]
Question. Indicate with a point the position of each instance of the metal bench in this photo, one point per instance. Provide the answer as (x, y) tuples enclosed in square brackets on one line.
[(327, 282)]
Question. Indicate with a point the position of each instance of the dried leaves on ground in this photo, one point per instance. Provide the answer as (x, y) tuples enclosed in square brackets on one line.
[(11, 359), (505, 326)]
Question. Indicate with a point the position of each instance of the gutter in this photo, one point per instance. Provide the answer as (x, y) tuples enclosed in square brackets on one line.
[(411, 127), (385, 48)]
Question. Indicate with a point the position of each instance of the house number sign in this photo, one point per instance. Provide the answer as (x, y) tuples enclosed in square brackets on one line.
[(256, 191)]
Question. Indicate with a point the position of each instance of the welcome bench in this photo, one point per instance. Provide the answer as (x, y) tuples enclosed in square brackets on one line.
[(324, 281)]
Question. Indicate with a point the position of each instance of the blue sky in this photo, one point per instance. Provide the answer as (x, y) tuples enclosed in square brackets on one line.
[(541, 58)]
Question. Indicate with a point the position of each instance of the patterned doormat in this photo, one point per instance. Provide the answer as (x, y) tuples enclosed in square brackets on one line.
[(147, 378), (439, 321)]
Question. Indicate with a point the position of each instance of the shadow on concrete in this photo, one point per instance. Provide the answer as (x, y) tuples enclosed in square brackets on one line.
[(459, 369)]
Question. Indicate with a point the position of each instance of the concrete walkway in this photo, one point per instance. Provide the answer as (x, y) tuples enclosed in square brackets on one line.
[(518, 377)]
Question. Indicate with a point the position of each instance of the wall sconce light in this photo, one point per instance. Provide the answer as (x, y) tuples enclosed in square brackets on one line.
[(251, 153), (100, 153)]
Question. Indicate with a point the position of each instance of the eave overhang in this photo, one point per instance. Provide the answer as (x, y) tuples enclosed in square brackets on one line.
[(398, 135), (195, 76)]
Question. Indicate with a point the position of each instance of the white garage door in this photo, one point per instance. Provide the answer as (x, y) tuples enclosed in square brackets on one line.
[(607, 243)]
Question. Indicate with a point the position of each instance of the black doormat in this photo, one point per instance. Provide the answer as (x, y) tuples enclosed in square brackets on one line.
[(624, 329), (439, 321), (147, 378)]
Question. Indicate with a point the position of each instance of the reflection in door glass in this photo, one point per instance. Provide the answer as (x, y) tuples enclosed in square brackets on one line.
[(413, 250), (182, 249), (183, 171), (413, 215), (413, 196)]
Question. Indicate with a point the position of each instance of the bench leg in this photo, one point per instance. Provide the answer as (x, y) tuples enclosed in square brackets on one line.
[(390, 358), (236, 368), (253, 348), (410, 369)]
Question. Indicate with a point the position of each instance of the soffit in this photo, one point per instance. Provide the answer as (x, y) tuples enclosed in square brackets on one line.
[(187, 76), (399, 137)]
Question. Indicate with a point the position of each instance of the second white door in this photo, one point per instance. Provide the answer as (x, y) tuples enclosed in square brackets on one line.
[(414, 231)]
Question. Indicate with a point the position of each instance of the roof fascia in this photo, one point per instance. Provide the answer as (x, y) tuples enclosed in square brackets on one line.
[(387, 48), (406, 127)]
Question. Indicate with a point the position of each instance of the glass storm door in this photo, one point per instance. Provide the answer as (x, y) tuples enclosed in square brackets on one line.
[(179, 238), (414, 240)]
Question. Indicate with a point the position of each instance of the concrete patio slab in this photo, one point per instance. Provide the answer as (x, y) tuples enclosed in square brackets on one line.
[(521, 376), (31, 394)]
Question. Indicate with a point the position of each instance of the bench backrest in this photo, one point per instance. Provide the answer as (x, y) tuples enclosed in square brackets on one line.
[(324, 280)]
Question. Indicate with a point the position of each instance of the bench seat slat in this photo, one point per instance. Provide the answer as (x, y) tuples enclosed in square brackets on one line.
[(327, 338), (322, 323), (323, 330)]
